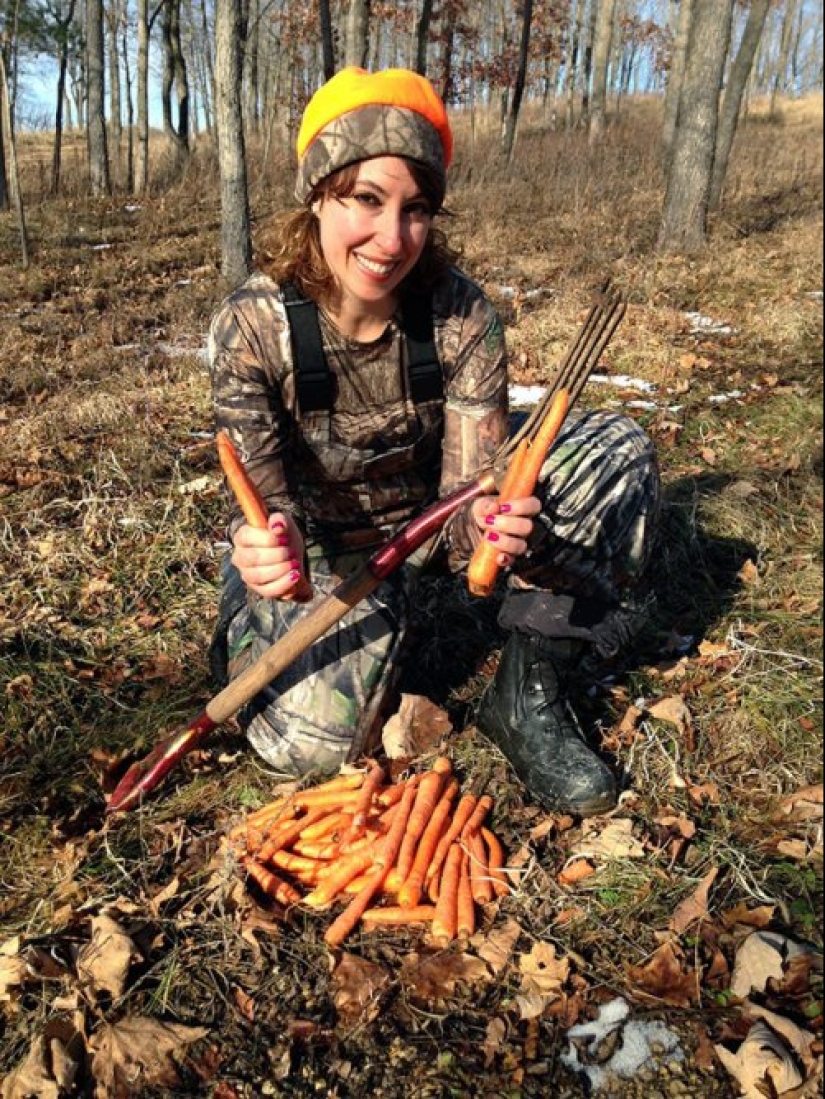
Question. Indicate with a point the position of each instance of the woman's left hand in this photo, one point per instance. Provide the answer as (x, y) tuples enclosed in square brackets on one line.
[(507, 525)]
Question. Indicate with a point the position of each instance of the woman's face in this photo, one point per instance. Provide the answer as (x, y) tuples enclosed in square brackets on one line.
[(372, 238)]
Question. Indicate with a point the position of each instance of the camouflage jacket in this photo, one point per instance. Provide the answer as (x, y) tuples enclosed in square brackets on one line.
[(352, 476)]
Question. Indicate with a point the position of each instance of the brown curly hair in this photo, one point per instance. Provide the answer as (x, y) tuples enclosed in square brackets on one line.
[(289, 248)]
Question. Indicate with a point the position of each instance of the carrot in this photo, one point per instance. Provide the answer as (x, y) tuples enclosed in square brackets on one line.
[(337, 800), (483, 807), (427, 795), (286, 835), (327, 826), (393, 794), (519, 482), (388, 853), (445, 921), (463, 813), (391, 916), (330, 885), (271, 884), (482, 887), (250, 501), (370, 787), (324, 849), (466, 909), (495, 862), (295, 864), (409, 895)]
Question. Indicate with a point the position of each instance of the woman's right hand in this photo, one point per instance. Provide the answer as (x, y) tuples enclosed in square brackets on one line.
[(270, 560)]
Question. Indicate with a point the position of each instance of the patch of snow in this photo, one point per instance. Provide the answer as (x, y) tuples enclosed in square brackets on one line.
[(706, 326), (132, 208), (175, 352), (623, 381), (816, 295), (102, 247), (723, 398), (645, 406), (638, 1044), (525, 396), (509, 292)]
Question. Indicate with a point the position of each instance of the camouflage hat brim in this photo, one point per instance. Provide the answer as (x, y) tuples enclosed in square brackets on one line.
[(371, 131)]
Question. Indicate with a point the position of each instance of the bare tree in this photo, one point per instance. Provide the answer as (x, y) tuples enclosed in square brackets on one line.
[(236, 241), (673, 90), (63, 43), (734, 94), (99, 177), (143, 30), (422, 36), (16, 194), (358, 33), (601, 59), (521, 79), (327, 42), (687, 198), (781, 74), (175, 80)]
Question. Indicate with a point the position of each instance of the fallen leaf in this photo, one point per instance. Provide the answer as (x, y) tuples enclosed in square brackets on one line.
[(48, 1071), (749, 573), (432, 978), (497, 947), (543, 971), (749, 917), (695, 907), (417, 728), (138, 1052), (103, 963), (357, 987), (12, 968), (674, 711), (802, 1042), (493, 1040), (665, 978), (762, 957), (575, 871), (803, 805), (608, 840), (763, 1064)]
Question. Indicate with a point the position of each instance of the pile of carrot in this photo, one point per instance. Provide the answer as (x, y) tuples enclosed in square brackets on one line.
[(396, 853)]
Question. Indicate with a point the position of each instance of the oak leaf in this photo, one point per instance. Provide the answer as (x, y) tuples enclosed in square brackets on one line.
[(138, 1052), (357, 988), (665, 978)]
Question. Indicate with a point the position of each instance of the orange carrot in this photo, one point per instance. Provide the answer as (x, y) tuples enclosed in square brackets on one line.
[(393, 794), (495, 862), (519, 482), (466, 909), (391, 916), (464, 811), (409, 895), (286, 835), (330, 885), (327, 826), (445, 921), (295, 864), (388, 853), (369, 789), (323, 850), (482, 887), (483, 807), (427, 795), (271, 884), (250, 501)]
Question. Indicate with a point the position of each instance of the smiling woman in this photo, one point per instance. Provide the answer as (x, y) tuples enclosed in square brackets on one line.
[(362, 376)]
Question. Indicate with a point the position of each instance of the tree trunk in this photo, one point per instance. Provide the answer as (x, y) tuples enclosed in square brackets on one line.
[(734, 94), (115, 16), (521, 79), (358, 33), (673, 89), (236, 243), (327, 41), (687, 198), (63, 26), (573, 47), (780, 78), (175, 80), (16, 194), (601, 60), (142, 174), (422, 36), (99, 177)]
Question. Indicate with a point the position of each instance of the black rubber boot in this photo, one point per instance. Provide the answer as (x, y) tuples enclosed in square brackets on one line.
[(526, 713)]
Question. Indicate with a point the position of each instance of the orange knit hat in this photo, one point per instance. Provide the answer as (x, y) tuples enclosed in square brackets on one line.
[(358, 115)]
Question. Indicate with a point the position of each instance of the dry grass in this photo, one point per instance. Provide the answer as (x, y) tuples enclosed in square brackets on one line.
[(110, 519)]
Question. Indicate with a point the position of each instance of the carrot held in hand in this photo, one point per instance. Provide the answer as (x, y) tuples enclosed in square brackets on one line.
[(250, 501), (519, 483)]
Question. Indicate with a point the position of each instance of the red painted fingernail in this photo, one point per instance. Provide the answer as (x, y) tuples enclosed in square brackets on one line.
[(295, 563), (505, 509), (490, 520), (283, 540), (294, 575), (493, 537), (277, 524)]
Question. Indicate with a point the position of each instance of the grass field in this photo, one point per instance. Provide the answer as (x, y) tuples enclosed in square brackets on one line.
[(111, 518)]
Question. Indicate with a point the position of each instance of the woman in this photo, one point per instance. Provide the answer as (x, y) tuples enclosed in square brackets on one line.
[(362, 376)]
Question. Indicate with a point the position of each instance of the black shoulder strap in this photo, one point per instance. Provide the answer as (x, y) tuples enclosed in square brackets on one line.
[(314, 381), (424, 369)]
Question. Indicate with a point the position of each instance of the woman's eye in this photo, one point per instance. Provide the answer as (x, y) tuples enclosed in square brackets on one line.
[(366, 198), (419, 210)]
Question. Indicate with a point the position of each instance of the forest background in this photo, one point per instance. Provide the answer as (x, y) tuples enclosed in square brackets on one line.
[(675, 147)]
